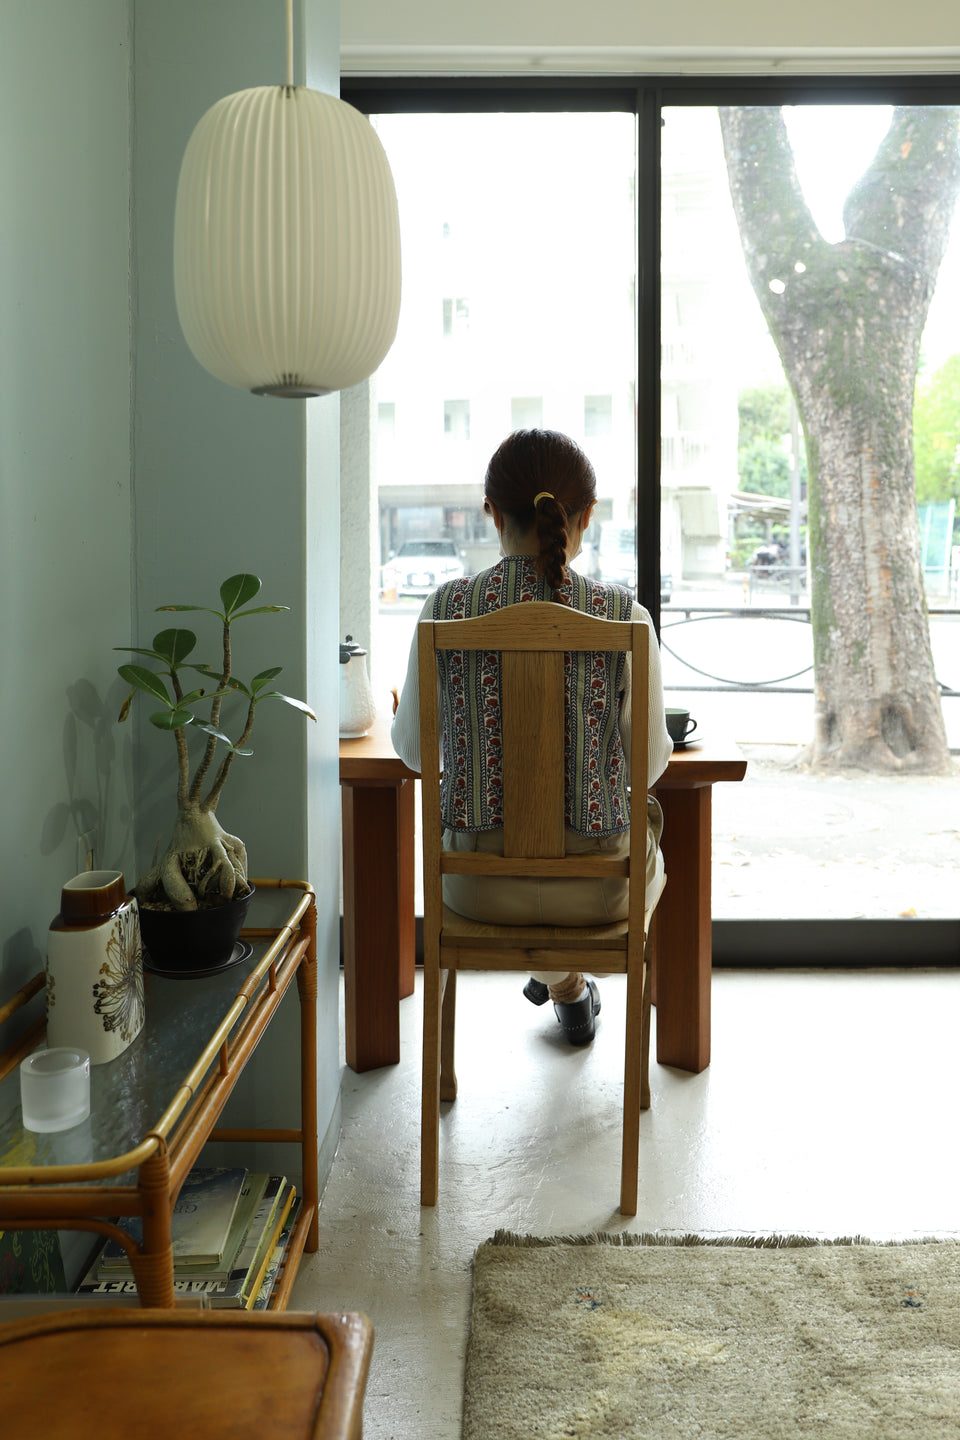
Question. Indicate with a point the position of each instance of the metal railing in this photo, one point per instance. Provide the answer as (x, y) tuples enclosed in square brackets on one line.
[(693, 614)]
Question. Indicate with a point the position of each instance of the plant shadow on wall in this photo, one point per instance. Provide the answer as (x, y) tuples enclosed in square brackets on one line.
[(204, 867), (90, 817)]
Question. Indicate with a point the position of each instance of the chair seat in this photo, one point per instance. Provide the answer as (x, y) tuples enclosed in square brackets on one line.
[(108, 1374), (472, 933)]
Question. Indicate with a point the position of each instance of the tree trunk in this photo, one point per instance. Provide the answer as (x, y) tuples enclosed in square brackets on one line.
[(847, 321)]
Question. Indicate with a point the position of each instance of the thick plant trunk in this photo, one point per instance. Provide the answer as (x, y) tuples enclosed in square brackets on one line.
[(847, 321), (201, 865)]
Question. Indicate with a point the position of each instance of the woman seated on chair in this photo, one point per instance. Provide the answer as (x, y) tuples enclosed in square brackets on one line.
[(541, 490)]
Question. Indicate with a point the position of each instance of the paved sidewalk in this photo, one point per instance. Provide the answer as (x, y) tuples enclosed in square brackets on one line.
[(789, 844)]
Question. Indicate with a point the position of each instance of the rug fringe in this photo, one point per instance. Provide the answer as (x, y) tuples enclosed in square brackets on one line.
[(628, 1238)]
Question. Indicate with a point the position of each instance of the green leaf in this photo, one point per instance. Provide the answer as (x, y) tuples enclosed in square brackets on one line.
[(212, 730), (193, 697), (288, 700), (145, 680), (237, 591), (139, 650), (174, 645), (189, 607), (170, 719), (261, 610), (219, 735), (258, 681)]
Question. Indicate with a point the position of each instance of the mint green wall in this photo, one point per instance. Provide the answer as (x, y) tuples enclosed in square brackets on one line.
[(64, 464), (225, 481), (129, 477), (64, 454)]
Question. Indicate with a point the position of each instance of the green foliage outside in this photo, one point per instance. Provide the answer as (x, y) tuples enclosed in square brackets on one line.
[(764, 444), (763, 463), (764, 468), (936, 435), (764, 414), (763, 459)]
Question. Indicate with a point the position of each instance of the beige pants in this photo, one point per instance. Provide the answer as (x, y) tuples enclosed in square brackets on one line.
[(521, 901)]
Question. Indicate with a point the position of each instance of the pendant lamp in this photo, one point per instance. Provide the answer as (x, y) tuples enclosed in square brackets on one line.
[(286, 254)]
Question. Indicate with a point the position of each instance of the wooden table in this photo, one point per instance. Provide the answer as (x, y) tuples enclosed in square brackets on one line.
[(378, 898)]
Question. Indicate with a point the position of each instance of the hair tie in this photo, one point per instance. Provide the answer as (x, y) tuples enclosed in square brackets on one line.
[(543, 495)]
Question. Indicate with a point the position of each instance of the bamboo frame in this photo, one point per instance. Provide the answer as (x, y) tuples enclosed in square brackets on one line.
[(74, 1197)]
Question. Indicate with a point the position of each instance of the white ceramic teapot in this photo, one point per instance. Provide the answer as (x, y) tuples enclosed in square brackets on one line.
[(357, 708)]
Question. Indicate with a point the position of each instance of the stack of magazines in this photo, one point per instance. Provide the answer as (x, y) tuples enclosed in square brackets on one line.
[(230, 1231)]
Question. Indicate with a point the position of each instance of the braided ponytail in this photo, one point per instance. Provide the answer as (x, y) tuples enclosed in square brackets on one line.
[(540, 479), (551, 525)]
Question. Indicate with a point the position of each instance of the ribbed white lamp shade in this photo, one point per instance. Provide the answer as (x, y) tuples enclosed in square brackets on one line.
[(286, 257)]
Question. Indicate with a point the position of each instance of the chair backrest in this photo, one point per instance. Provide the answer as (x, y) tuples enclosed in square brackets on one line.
[(532, 639)]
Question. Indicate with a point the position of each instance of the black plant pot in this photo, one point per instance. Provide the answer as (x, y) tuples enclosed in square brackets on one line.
[(189, 942)]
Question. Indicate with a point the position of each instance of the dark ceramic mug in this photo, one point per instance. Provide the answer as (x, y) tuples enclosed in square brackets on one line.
[(680, 724)]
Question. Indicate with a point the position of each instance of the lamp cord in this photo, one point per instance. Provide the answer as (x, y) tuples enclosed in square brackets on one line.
[(290, 44)]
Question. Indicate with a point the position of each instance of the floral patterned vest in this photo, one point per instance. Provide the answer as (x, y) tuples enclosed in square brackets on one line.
[(471, 792)]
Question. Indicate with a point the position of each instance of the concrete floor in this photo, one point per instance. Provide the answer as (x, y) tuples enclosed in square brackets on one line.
[(828, 1110)]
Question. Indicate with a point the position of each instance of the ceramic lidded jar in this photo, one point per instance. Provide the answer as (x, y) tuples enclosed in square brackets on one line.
[(357, 708), (95, 967)]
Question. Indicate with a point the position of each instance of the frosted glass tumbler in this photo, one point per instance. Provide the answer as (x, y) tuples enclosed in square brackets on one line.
[(55, 1088)]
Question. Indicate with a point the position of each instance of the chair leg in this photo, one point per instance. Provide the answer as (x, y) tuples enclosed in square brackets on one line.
[(430, 1099), (645, 1038), (632, 1087), (448, 1021)]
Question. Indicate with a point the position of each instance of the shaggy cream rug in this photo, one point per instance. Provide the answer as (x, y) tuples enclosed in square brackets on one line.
[(619, 1336)]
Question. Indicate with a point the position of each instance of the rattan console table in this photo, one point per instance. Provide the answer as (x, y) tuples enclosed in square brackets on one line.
[(155, 1106)]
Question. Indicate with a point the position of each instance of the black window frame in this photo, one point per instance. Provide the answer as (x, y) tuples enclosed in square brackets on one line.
[(764, 944)]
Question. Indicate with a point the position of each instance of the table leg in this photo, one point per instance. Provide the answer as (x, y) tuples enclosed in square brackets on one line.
[(406, 920), (378, 919), (683, 944)]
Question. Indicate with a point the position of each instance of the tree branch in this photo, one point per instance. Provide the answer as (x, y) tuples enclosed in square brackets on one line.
[(776, 226), (903, 203)]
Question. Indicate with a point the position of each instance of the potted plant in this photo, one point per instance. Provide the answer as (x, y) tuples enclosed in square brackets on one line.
[(203, 871)]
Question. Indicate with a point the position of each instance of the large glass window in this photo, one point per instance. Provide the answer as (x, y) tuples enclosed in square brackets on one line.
[(811, 617), (792, 434), (526, 248)]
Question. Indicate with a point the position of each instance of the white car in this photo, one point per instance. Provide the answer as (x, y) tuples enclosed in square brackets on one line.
[(617, 560), (419, 566)]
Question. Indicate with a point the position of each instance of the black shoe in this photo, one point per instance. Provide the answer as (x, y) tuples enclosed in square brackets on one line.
[(536, 992), (577, 1017)]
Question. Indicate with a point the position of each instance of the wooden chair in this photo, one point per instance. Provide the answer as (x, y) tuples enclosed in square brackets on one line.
[(532, 638), (108, 1374)]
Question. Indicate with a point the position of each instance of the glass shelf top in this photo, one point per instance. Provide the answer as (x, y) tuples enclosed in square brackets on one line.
[(129, 1095)]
